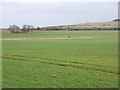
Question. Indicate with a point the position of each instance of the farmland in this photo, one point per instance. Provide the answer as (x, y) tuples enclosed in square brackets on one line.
[(49, 59)]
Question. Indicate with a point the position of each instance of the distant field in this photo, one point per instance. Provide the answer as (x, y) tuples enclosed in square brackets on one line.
[(60, 63)]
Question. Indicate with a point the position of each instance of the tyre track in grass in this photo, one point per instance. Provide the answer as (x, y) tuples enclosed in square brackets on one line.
[(74, 62), (59, 64)]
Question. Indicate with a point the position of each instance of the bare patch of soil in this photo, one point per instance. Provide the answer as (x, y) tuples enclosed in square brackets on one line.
[(66, 38), (41, 38), (14, 38), (82, 37), (5, 31), (51, 38)]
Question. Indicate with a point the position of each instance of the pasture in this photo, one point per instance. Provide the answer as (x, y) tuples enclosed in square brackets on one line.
[(49, 59)]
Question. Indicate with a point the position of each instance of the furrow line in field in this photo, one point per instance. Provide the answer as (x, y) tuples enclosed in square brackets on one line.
[(66, 63), (92, 70), (63, 65), (62, 61)]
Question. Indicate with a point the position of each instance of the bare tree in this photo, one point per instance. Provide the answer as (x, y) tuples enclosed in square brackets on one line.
[(14, 28), (38, 28), (27, 28)]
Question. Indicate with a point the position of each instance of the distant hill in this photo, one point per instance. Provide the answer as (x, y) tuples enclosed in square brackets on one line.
[(112, 25), (99, 24)]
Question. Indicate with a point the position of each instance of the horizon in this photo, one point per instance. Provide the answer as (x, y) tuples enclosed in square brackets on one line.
[(55, 25), (44, 14)]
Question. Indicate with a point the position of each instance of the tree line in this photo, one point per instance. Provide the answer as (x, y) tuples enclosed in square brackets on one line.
[(81, 28), (24, 29), (30, 28)]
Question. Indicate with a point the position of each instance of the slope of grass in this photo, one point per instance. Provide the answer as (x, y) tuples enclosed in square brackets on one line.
[(19, 74), (37, 63)]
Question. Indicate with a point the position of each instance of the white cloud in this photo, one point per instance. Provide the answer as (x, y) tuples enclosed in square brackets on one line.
[(59, 1)]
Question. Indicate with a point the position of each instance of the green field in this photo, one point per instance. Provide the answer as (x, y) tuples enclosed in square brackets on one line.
[(60, 63)]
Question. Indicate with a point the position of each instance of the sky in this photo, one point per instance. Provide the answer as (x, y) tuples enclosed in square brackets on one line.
[(56, 12)]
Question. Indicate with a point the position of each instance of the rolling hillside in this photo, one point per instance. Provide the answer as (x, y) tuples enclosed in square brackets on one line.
[(100, 24), (112, 25)]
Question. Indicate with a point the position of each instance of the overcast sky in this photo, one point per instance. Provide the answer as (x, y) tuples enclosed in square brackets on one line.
[(57, 12)]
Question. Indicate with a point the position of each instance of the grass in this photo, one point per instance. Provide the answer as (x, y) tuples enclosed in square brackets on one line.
[(45, 63)]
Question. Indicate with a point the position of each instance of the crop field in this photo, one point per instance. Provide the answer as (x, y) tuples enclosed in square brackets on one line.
[(52, 59)]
